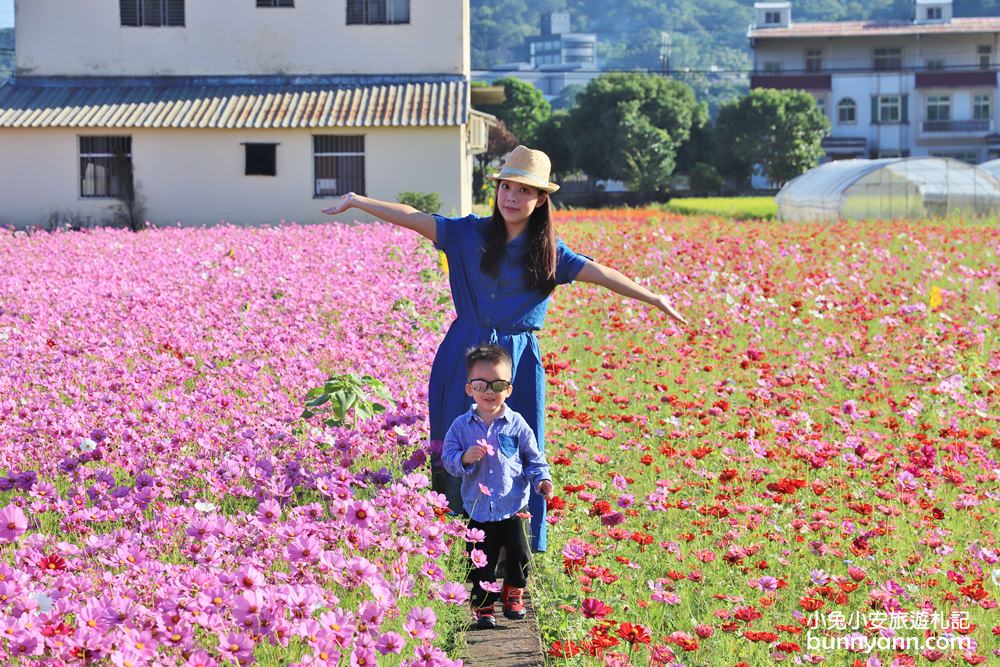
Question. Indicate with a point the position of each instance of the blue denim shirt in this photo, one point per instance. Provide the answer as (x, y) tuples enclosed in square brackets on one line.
[(515, 463)]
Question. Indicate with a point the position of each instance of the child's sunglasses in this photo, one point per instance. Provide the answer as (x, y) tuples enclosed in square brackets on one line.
[(480, 385)]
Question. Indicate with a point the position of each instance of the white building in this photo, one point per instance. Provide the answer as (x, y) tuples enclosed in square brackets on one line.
[(556, 58), (890, 89), (249, 111)]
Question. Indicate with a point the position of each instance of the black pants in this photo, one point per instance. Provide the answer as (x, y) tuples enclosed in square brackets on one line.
[(510, 533)]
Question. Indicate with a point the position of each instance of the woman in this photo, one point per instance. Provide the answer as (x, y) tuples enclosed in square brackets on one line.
[(502, 271)]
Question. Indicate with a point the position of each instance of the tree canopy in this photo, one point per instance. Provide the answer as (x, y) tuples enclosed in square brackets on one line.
[(627, 126), (781, 130), (523, 110)]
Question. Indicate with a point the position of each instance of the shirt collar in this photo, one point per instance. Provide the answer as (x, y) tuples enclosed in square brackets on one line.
[(472, 416)]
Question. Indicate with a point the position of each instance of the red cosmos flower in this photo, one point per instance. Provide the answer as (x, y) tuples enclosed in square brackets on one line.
[(600, 508), (766, 637), (810, 604), (633, 634), (561, 650), (594, 608), (788, 647), (746, 614), (52, 563), (556, 503)]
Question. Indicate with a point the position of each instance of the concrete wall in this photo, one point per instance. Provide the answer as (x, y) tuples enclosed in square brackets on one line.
[(197, 176), (234, 37)]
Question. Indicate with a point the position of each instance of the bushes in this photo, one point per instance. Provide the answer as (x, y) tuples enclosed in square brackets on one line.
[(428, 202)]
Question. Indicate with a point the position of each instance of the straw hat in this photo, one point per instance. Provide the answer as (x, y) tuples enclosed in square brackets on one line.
[(527, 166)]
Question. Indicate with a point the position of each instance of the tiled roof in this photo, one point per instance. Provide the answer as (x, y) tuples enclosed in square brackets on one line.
[(235, 102), (877, 28)]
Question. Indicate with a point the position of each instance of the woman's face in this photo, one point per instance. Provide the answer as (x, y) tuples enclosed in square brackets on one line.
[(517, 201)]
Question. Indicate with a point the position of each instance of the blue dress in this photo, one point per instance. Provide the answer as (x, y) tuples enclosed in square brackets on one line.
[(504, 311)]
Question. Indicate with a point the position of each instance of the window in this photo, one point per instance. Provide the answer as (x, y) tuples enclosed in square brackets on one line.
[(938, 107), (889, 109), (935, 63), (972, 157), (814, 60), (152, 13), (888, 59), (339, 164), (369, 12), (261, 159), (981, 107), (275, 3), (934, 14), (984, 54), (772, 68), (847, 111), (772, 18), (105, 166)]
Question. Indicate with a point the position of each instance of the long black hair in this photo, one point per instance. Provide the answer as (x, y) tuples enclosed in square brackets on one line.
[(540, 263)]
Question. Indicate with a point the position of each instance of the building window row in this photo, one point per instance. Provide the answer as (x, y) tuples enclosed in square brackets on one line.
[(889, 59), (338, 164), (893, 109), (170, 13)]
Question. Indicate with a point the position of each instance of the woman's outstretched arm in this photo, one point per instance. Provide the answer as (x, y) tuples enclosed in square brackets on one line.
[(598, 274), (392, 212)]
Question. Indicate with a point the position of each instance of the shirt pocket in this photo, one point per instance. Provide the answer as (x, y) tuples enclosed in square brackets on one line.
[(508, 444)]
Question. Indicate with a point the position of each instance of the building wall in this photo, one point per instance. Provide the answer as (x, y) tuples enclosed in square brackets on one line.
[(849, 61), (234, 37), (196, 176)]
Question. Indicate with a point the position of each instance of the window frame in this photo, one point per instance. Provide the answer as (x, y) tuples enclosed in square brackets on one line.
[(169, 15), (256, 146), (978, 105), (934, 14), (937, 103), (814, 60), (984, 50), (359, 12), (772, 17), (333, 158), (891, 57), (772, 67), (886, 102), (847, 104), (106, 158)]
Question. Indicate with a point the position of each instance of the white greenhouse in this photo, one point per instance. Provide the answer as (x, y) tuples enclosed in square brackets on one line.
[(916, 187), (993, 166)]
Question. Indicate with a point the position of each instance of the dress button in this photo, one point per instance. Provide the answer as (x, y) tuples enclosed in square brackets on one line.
[(493, 295)]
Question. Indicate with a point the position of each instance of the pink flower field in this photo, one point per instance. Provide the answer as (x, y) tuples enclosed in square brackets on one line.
[(808, 474)]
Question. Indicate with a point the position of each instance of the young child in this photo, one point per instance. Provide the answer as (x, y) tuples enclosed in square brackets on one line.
[(493, 451)]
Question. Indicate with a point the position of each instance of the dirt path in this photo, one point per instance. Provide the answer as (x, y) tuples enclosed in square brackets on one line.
[(510, 644)]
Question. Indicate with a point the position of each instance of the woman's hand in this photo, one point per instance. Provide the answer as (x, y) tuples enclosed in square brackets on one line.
[(345, 202), (663, 303)]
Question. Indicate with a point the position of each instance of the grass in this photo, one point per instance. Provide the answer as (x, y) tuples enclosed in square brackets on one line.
[(742, 208)]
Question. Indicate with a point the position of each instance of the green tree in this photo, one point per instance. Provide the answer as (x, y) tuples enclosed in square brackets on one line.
[(523, 110), (550, 137), (781, 130), (625, 124)]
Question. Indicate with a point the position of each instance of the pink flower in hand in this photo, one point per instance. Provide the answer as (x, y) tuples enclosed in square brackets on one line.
[(485, 445), (484, 489)]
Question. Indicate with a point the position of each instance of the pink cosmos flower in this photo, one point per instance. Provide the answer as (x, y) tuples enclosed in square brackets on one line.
[(390, 642), (490, 586), (419, 623), (359, 514), (453, 593), (13, 523), (478, 557), (487, 446), (475, 535), (484, 489)]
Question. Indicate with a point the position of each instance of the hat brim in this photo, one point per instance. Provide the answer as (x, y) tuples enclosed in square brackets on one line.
[(548, 187)]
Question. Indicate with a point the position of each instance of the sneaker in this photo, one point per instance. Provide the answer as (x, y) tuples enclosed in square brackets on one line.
[(485, 620), (513, 602)]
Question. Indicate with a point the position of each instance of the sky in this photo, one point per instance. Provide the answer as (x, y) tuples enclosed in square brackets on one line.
[(6, 13)]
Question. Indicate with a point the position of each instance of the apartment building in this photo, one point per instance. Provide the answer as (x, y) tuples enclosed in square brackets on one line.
[(927, 86)]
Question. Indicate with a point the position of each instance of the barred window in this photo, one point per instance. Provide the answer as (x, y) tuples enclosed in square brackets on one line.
[(105, 166), (369, 12), (275, 3), (339, 164), (152, 12), (261, 159)]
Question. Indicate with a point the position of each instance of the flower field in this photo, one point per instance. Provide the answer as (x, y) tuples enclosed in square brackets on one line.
[(807, 474)]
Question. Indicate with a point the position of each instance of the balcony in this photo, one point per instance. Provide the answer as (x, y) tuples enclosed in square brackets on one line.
[(798, 81), (956, 126), (957, 79)]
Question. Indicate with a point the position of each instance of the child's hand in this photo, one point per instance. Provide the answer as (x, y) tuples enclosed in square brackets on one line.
[(545, 489), (473, 454)]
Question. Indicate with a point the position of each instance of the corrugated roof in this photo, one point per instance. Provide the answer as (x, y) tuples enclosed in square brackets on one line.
[(877, 28), (235, 102)]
